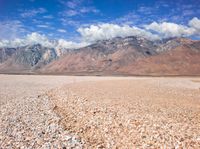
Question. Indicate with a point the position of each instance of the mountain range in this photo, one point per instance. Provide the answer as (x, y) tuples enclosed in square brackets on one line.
[(118, 56)]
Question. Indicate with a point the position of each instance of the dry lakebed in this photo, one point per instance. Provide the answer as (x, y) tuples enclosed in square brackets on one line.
[(60, 112)]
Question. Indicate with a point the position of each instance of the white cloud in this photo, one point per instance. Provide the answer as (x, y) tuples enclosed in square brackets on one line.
[(11, 32), (11, 29), (72, 4), (71, 22), (77, 8), (167, 29), (80, 11), (70, 13), (48, 17), (4, 43), (151, 31), (195, 23), (128, 19), (30, 39), (61, 30), (89, 9), (43, 26), (107, 31), (70, 44), (188, 12), (32, 13), (145, 10), (36, 38)]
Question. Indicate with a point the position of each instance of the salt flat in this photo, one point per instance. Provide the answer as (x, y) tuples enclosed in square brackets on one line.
[(105, 112)]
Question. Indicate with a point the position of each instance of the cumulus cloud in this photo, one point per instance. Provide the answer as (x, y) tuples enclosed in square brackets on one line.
[(151, 31), (195, 23), (97, 32), (168, 29), (70, 44), (30, 39), (107, 31), (36, 38)]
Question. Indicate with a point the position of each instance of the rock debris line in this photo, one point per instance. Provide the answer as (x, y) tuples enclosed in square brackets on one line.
[(31, 124)]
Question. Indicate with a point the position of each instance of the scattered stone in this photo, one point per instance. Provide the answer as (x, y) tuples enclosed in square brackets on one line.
[(36, 132)]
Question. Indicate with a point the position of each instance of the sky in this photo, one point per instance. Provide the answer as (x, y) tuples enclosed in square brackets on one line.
[(79, 22)]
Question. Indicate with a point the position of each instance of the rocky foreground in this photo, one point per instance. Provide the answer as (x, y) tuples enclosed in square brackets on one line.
[(134, 113), (99, 112), (27, 119)]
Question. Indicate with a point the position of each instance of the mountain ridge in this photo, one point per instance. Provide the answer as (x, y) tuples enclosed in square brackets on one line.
[(118, 56)]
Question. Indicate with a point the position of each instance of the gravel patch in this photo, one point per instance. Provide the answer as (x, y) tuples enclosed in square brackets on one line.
[(137, 113), (148, 113), (31, 123), (26, 116)]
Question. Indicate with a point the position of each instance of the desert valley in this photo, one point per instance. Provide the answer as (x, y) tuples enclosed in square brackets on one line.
[(117, 56), (99, 112), (108, 74), (105, 107)]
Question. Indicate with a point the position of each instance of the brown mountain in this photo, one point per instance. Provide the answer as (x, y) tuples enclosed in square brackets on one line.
[(117, 56), (182, 60), (103, 56), (132, 56)]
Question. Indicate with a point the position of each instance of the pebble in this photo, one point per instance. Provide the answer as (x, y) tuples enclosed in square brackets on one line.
[(31, 123)]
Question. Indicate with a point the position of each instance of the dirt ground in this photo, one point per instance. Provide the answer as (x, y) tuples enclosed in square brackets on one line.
[(99, 112)]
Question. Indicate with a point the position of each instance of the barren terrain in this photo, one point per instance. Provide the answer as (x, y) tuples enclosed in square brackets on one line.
[(26, 116), (99, 112)]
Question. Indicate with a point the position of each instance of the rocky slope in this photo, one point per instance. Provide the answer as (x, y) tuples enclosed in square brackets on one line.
[(103, 56), (27, 58), (127, 56), (131, 55), (182, 60)]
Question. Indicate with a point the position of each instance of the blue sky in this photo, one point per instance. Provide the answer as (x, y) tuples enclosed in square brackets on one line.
[(72, 19)]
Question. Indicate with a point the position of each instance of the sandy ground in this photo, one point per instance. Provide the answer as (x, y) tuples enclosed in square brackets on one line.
[(99, 112)]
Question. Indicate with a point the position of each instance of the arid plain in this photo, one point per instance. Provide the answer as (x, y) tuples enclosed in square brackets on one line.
[(99, 112)]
